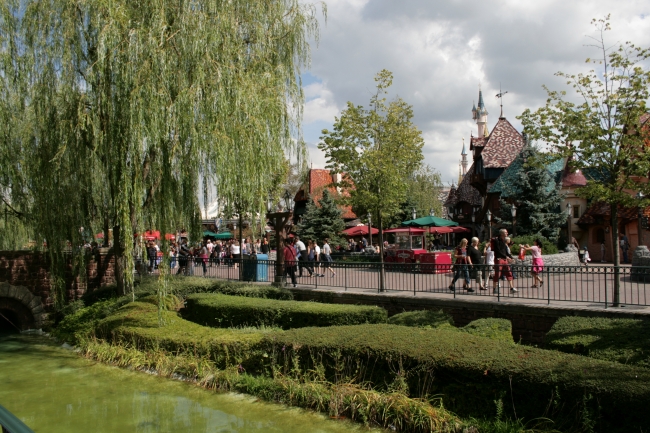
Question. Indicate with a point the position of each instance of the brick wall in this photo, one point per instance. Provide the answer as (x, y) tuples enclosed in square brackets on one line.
[(530, 323), (32, 270)]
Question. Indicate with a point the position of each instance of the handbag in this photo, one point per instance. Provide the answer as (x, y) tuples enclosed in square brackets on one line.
[(522, 253)]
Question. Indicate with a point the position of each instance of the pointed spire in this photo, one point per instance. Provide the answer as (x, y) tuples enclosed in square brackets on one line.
[(481, 105), (464, 152)]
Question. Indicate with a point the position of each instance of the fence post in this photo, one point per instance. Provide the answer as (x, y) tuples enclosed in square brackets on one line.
[(345, 276), (548, 284), (379, 279), (414, 278), (605, 273)]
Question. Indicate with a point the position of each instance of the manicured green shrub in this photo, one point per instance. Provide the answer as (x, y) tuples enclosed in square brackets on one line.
[(423, 319), (495, 329), (231, 311), (138, 325), (626, 341), (469, 373), (547, 246), (182, 286)]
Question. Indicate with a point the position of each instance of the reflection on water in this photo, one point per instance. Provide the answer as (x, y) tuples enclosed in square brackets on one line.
[(53, 390)]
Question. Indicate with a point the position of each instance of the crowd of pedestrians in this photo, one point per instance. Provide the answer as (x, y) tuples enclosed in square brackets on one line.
[(311, 258), (494, 262)]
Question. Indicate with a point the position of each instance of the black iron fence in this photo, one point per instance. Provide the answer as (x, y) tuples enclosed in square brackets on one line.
[(603, 285)]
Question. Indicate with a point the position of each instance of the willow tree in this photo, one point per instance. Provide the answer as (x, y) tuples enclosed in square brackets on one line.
[(113, 111)]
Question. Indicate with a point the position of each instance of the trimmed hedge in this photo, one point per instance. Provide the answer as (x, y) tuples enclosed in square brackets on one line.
[(626, 341), (423, 319), (182, 286), (232, 311), (495, 329), (137, 325), (470, 373)]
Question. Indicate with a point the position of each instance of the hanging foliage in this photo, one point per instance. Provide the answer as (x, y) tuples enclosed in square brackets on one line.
[(113, 110)]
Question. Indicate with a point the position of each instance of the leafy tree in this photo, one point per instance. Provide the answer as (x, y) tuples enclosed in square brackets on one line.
[(424, 187), (323, 221), (376, 150), (112, 112), (603, 130), (537, 197)]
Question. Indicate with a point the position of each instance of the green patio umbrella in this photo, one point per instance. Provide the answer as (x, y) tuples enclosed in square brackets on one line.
[(224, 235), (429, 221), (208, 233)]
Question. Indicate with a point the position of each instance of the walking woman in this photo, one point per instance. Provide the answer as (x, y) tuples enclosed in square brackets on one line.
[(475, 256), (460, 267), (290, 261), (538, 262)]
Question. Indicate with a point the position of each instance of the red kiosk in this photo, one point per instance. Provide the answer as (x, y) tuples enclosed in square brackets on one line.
[(408, 245)]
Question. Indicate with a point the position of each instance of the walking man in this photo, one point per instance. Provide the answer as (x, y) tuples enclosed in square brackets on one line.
[(502, 260), (290, 261), (300, 246)]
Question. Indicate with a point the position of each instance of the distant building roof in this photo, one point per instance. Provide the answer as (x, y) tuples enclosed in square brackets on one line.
[(502, 146), (318, 180), (465, 192), (600, 212)]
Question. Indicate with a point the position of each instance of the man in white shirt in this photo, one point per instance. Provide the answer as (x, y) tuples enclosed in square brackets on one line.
[(327, 257), (317, 259), (302, 260)]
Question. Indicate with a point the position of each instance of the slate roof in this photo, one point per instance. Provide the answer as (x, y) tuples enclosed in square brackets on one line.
[(465, 192), (451, 197), (318, 180), (477, 142), (571, 178), (503, 145)]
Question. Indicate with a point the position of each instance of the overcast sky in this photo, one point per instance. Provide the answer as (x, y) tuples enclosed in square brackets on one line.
[(439, 52)]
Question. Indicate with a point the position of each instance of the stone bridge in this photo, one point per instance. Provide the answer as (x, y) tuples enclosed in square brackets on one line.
[(25, 286)]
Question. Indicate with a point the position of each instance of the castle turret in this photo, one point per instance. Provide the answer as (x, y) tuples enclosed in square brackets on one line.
[(463, 161), (479, 114)]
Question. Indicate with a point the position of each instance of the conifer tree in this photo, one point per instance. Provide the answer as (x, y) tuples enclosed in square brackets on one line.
[(323, 221), (536, 193)]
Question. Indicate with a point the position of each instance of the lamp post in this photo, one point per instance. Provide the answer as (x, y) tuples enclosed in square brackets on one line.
[(513, 211), (369, 229), (431, 212), (640, 230), (414, 213), (473, 223), (569, 229), (488, 215), (281, 221)]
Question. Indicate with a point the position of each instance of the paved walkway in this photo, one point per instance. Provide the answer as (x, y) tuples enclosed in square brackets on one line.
[(586, 288)]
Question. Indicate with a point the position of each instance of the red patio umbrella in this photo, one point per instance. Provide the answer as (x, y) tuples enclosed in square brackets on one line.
[(99, 235), (359, 231)]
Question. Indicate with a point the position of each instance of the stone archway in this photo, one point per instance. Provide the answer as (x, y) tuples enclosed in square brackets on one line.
[(18, 304)]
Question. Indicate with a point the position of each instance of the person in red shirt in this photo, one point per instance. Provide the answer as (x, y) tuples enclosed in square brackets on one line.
[(290, 260)]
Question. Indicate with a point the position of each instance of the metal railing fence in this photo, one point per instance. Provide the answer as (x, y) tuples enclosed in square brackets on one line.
[(9, 423), (587, 284)]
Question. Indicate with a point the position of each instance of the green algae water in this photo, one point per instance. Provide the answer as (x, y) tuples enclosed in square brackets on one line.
[(53, 390)]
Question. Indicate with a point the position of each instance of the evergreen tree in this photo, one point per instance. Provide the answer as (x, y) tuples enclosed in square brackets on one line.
[(536, 193), (323, 221)]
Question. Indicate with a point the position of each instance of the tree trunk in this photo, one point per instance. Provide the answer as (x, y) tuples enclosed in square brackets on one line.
[(382, 282), (241, 249), (617, 257), (106, 228), (120, 261)]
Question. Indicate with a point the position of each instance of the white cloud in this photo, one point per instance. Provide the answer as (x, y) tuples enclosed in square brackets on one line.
[(439, 52), (320, 104)]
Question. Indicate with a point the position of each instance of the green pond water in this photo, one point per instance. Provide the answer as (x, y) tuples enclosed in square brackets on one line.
[(52, 389)]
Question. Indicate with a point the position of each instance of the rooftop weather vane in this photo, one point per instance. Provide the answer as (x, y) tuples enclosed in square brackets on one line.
[(500, 96)]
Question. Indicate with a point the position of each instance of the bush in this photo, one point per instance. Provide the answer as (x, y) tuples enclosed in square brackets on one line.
[(626, 341), (182, 286), (547, 246), (495, 329), (225, 311), (423, 319), (138, 325), (468, 372)]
